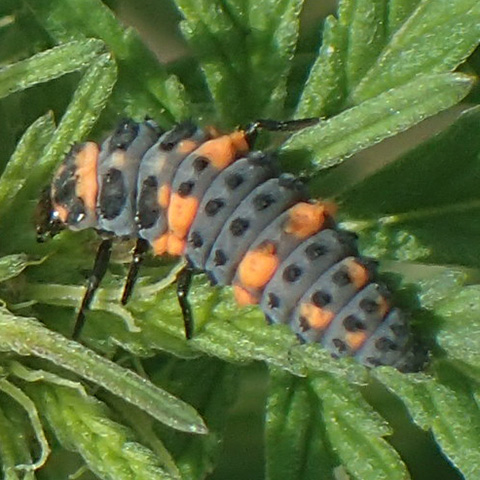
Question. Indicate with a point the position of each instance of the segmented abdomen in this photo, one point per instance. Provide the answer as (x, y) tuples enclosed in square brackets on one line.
[(227, 209)]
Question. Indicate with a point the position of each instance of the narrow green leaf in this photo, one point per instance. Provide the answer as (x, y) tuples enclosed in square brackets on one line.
[(356, 432), (366, 39), (27, 337), (13, 265), (246, 52), (30, 408), (436, 38), (82, 425), (46, 66), (325, 89), (460, 333), (24, 158), (379, 118), (408, 220), (211, 386), (296, 443), (398, 13), (447, 407), (456, 425), (13, 449), (143, 81), (411, 389)]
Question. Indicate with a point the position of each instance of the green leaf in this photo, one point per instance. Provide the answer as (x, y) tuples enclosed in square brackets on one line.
[(326, 86), (27, 337), (378, 118), (246, 52), (356, 431), (460, 333), (13, 178), (376, 46), (447, 407), (403, 209), (50, 64), (82, 425), (296, 442), (144, 83), (211, 387), (436, 38)]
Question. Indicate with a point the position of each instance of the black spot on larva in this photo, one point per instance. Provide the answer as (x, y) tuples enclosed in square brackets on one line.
[(234, 180), (196, 240), (273, 301), (64, 191), (147, 207), (292, 273), (384, 344), (113, 194), (185, 188), (315, 250), (124, 135), (374, 362), (263, 201), (220, 258), (340, 345), (353, 324), (176, 135), (341, 278), (304, 325), (239, 226), (77, 212), (368, 306), (300, 339), (321, 299), (399, 330), (200, 164), (214, 206), (269, 320)]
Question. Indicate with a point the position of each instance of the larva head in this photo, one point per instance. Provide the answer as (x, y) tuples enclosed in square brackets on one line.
[(47, 224), (70, 200)]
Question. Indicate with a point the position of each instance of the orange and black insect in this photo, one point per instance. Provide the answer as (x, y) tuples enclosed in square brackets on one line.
[(211, 198)]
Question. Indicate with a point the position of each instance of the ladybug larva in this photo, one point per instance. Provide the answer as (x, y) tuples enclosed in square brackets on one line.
[(226, 208)]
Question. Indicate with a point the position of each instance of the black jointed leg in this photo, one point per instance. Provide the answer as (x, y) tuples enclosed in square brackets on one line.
[(251, 131), (141, 247), (184, 282), (98, 272)]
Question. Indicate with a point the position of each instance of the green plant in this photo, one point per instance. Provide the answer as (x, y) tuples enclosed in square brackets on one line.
[(382, 67)]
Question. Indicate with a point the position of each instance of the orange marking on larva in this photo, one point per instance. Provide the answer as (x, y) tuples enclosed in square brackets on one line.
[(244, 297), (239, 140), (181, 213), (222, 151), (383, 306), (305, 219), (159, 245), (358, 273), (60, 212), (163, 196), (316, 317), (355, 339), (258, 266), (186, 146), (175, 245), (86, 186)]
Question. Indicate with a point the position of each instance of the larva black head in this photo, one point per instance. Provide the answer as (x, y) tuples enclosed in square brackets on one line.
[(47, 224)]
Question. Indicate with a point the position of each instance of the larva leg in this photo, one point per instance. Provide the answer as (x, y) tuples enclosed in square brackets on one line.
[(98, 272), (141, 248), (184, 281)]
